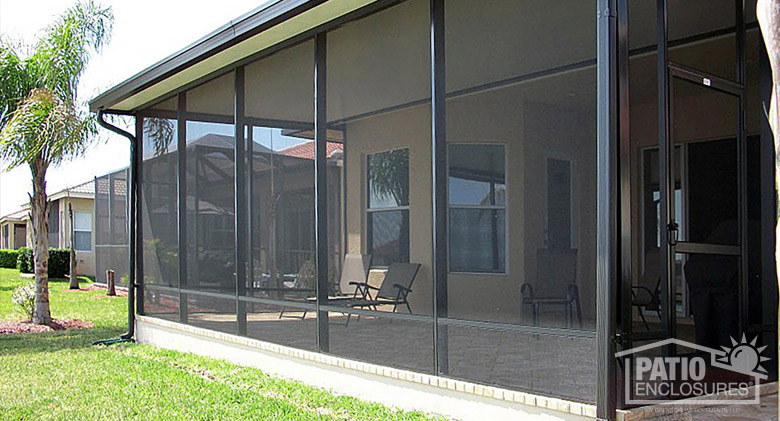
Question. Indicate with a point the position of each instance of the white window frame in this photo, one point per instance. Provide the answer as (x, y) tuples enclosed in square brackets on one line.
[(75, 230)]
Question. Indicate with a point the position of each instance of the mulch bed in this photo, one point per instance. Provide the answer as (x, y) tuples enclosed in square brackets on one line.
[(27, 327)]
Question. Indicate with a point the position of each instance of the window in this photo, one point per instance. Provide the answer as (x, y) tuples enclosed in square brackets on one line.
[(82, 231), (6, 243), (477, 197), (388, 207), (54, 224)]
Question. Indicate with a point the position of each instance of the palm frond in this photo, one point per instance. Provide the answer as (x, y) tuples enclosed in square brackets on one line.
[(64, 51), (41, 122), (45, 130)]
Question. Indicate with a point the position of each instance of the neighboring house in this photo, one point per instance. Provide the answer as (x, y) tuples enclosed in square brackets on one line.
[(13, 230), (497, 146), (95, 253), (80, 199)]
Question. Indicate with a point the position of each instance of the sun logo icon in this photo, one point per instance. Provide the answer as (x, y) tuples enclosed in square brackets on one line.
[(744, 357)]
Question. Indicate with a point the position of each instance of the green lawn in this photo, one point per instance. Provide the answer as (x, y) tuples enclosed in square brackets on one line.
[(59, 375)]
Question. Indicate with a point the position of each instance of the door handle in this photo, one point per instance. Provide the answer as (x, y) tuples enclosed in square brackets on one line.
[(673, 230)]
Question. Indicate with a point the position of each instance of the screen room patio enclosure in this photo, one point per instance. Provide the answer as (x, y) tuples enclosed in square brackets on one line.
[(576, 176)]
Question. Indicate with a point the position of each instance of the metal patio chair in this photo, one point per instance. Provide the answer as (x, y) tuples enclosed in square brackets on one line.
[(353, 273), (647, 295), (395, 289), (556, 274)]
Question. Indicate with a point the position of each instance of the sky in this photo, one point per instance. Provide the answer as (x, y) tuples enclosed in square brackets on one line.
[(145, 32)]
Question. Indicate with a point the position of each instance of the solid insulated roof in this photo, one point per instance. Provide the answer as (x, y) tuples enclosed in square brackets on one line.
[(253, 32)]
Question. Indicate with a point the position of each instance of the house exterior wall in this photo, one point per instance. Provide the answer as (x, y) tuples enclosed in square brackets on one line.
[(85, 260)]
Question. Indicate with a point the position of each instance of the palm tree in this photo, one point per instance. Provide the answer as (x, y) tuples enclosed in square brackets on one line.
[(41, 123)]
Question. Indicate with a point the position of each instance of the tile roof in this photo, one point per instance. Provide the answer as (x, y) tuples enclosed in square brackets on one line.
[(306, 149)]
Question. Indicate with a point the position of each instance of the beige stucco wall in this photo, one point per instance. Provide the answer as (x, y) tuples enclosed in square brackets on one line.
[(531, 131), (494, 118)]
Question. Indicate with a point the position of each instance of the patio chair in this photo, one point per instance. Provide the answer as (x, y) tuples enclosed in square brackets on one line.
[(556, 273), (394, 290), (305, 282), (647, 295), (353, 273)]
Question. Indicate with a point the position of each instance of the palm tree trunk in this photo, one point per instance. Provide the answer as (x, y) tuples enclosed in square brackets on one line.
[(768, 12), (39, 204)]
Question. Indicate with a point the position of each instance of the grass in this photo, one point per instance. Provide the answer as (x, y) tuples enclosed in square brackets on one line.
[(59, 375)]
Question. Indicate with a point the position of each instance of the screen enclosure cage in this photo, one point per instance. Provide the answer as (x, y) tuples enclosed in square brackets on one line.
[(458, 188)]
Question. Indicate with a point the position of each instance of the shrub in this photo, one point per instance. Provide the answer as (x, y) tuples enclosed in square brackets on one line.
[(8, 258), (24, 260), (24, 297), (59, 262)]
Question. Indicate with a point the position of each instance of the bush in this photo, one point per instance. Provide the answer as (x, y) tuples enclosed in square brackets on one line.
[(24, 297), (59, 262), (24, 260), (8, 258)]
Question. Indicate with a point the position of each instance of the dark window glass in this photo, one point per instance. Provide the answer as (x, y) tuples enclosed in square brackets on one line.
[(82, 231), (54, 224), (388, 236), (477, 196), (477, 240), (83, 241), (387, 229), (388, 179), (476, 174)]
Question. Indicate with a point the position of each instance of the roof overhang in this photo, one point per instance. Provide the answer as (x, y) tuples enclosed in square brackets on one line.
[(251, 33), (72, 195)]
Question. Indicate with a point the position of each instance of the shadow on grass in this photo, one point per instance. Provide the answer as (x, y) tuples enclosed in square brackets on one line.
[(33, 343)]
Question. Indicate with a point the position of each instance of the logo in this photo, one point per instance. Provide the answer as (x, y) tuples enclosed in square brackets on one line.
[(654, 373)]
